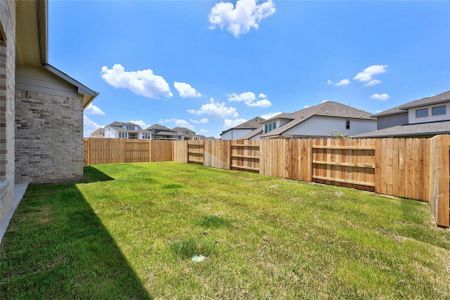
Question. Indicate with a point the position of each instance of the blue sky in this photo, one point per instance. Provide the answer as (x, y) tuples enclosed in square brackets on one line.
[(246, 59)]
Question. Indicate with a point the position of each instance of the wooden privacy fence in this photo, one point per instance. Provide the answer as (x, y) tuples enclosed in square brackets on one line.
[(411, 168), (101, 151)]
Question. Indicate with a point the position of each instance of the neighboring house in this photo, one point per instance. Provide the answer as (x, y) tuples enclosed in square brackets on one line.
[(122, 130), (41, 108), (186, 133), (241, 130), (160, 132), (423, 117), (327, 119), (129, 130), (98, 133)]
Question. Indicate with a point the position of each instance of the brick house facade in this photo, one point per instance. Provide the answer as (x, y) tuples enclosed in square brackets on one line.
[(41, 108)]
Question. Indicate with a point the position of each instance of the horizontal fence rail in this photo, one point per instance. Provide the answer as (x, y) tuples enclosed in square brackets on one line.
[(416, 168)]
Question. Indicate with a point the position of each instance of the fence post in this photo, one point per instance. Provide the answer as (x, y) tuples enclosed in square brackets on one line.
[(439, 179), (204, 150), (230, 149)]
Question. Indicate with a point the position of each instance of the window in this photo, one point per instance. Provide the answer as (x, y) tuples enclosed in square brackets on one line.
[(122, 135), (439, 110), (347, 124), (422, 113), (269, 127)]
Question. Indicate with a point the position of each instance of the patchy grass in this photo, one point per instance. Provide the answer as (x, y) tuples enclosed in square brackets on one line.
[(214, 222), (130, 230), (186, 249)]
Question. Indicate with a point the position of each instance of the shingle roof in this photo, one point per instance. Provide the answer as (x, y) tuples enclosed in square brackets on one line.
[(250, 124), (98, 131), (118, 123), (158, 127), (183, 129), (391, 111), (252, 133), (328, 108), (436, 99), (289, 116), (410, 130)]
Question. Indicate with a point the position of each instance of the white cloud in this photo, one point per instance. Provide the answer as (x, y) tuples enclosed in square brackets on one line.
[(368, 73), (201, 121), (203, 131), (140, 123), (342, 82), (94, 110), (185, 90), (373, 82), (143, 83), (270, 115), (228, 123), (380, 97), (178, 123), (216, 109), (240, 18), (250, 99), (89, 126)]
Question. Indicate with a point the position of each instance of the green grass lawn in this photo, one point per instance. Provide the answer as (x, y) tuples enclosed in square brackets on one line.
[(130, 231)]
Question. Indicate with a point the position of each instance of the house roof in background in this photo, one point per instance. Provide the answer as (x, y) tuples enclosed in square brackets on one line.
[(98, 131), (392, 111), (436, 99), (183, 129), (328, 108), (288, 116), (250, 124), (422, 129), (253, 133), (120, 124), (158, 127)]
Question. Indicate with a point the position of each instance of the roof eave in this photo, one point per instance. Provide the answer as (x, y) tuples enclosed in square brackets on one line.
[(383, 114), (406, 106), (402, 135), (88, 93), (42, 17)]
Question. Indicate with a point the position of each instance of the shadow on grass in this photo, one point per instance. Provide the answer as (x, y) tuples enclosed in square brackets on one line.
[(57, 247), (92, 174)]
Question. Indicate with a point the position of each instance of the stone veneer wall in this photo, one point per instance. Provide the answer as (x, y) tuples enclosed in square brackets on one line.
[(7, 90), (49, 137)]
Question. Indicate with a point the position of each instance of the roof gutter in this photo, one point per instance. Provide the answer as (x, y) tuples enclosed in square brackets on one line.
[(42, 17)]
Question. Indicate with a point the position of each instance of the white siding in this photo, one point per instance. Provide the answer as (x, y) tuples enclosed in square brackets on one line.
[(38, 79), (329, 126), (412, 114), (235, 134), (111, 133)]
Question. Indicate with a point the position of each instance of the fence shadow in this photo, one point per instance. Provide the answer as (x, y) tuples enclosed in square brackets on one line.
[(57, 247)]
